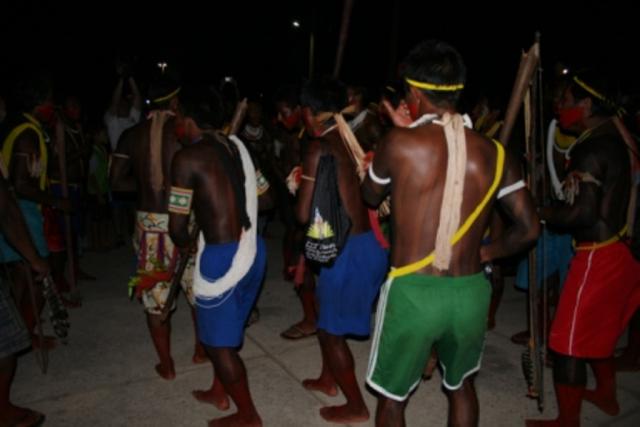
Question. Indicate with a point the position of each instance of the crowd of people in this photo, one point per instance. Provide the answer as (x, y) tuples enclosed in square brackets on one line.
[(385, 208)]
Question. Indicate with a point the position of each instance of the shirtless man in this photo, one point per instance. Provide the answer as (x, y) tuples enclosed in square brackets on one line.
[(442, 178), (14, 337), (292, 134), (347, 288), (143, 160), (25, 154), (601, 291), (215, 175)]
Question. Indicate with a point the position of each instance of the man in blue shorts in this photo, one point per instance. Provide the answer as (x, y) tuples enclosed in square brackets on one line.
[(346, 289), (214, 175)]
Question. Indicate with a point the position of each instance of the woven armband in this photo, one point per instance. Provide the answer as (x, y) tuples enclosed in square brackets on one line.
[(180, 200), (262, 185)]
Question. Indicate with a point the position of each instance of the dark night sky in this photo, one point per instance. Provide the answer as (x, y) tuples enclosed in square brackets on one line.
[(255, 41)]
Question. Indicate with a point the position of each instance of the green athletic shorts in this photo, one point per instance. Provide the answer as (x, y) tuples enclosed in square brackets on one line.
[(417, 312)]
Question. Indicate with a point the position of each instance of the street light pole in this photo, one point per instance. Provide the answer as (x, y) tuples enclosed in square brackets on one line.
[(311, 53)]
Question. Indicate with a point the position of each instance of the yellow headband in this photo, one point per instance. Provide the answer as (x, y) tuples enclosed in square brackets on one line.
[(589, 89), (167, 97), (436, 87), (620, 111)]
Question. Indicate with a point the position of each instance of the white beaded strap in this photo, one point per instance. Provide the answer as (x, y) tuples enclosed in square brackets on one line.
[(375, 178), (511, 188)]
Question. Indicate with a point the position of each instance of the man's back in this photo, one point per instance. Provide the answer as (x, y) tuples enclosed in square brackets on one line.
[(418, 163), (136, 142), (212, 168)]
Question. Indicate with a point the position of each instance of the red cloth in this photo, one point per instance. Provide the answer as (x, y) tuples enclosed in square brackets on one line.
[(53, 232), (600, 294)]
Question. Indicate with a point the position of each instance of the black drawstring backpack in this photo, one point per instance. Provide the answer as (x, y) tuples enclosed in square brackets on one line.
[(329, 223)]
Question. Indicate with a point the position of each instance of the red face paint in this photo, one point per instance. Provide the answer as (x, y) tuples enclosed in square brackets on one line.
[(180, 130), (289, 119), (46, 113), (73, 112), (413, 110), (567, 117)]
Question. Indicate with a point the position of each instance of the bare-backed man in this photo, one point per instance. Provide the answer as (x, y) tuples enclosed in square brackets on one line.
[(142, 162), (346, 288), (215, 175), (602, 289), (444, 179)]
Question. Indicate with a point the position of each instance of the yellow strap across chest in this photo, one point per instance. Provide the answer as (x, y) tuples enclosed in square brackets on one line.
[(7, 148), (418, 265)]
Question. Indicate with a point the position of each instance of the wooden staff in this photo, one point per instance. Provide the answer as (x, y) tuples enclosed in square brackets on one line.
[(42, 353), (64, 184), (344, 32), (236, 122)]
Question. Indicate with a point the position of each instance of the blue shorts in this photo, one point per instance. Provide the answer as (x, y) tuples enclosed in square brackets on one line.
[(347, 289), (553, 255), (33, 219), (221, 320)]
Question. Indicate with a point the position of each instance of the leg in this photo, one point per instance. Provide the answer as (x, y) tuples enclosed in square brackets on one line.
[(390, 413), (497, 289), (463, 405), (629, 360), (20, 276), (161, 336), (307, 294), (10, 414), (342, 367), (232, 373), (325, 383), (199, 354), (215, 395), (604, 395), (569, 378)]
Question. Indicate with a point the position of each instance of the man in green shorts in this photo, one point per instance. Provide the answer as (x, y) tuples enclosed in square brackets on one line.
[(444, 180)]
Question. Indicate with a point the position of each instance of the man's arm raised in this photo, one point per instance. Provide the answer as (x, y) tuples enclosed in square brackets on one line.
[(518, 205)]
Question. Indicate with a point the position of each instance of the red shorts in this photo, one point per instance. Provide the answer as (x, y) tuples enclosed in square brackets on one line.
[(600, 294)]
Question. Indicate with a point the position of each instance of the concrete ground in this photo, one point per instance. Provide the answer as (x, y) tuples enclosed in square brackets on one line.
[(105, 375)]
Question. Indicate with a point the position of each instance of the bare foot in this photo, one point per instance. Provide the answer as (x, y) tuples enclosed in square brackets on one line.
[(199, 355), (324, 386), (344, 414), (168, 373), (237, 420), (542, 423), (22, 417), (607, 405), (48, 343), (220, 401)]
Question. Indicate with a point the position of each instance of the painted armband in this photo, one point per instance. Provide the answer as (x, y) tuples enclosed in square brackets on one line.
[(262, 185), (180, 200)]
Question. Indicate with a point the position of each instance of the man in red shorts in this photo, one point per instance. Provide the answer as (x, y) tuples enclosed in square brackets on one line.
[(602, 288)]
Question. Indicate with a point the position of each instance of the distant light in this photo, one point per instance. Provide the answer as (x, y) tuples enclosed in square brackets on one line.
[(147, 101), (162, 66), (228, 79), (295, 23), (565, 71)]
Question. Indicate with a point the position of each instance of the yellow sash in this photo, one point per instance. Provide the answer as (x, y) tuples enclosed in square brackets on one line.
[(7, 148), (418, 265)]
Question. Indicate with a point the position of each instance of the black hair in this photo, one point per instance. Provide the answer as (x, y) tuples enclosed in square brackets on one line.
[(436, 62), (32, 90), (204, 105), (288, 94), (162, 83), (598, 83), (324, 94)]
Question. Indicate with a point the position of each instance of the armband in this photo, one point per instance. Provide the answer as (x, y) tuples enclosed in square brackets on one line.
[(180, 200)]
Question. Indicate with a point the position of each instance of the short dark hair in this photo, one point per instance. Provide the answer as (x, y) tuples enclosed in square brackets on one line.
[(436, 62), (603, 105), (288, 94), (32, 90), (204, 105), (324, 94), (161, 85)]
